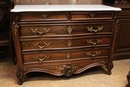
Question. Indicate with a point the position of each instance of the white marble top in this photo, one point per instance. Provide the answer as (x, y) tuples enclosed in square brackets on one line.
[(38, 8)]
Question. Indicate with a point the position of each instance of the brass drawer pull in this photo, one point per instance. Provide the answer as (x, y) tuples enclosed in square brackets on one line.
[(99, 28), (90, 41), (37, 31), (69, 29), (93, 55), (40, 60), (44, 16), (37, 44)]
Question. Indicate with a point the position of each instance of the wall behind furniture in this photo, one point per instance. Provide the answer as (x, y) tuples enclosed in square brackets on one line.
[(27, 2)]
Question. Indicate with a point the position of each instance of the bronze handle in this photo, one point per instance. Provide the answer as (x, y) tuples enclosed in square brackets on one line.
[(90, 41), (37, 31), (93, 55), (37, 44), (99, 28), (40, 60), (44, 16)]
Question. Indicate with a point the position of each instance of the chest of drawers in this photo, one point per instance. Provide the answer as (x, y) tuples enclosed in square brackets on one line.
[(63, 42)]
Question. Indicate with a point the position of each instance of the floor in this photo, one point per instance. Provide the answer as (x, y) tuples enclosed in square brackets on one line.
[(94, 77)]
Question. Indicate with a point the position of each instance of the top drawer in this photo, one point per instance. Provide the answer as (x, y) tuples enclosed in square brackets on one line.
[(91, 15), (54, 30), (44, 16)]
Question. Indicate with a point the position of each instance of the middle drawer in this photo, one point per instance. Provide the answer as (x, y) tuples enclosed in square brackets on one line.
[(51, 30), (65, 42), (66, 55)]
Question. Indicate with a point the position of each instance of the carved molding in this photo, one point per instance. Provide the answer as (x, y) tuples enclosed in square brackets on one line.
[(20, 75), (67, 69), (15, 28), (122, 1)]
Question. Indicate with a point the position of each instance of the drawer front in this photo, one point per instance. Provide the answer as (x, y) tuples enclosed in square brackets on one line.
[(65, 55), (63, 30), (43, 16), (91, 15), (65, 43), (59, 68)]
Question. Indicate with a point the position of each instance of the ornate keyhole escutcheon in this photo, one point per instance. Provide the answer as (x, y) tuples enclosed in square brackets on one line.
[(69, 29), (92, 15), (44, 16)]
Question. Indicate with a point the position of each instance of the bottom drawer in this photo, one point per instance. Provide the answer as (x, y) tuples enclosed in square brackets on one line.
[(66, 68), (65, 55)]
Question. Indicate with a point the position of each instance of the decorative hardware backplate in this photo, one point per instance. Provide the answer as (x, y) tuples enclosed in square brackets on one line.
[(91, 29), (37, 44), (38, 32), (90, 41), (93, 55), (41, 59)]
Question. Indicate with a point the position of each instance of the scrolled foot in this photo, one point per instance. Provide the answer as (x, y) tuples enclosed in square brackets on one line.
[(109, 73), (109, 68), (128, 85), (20, 83)]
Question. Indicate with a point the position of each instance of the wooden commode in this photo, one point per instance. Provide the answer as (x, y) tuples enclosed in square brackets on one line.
[(63, 39)]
